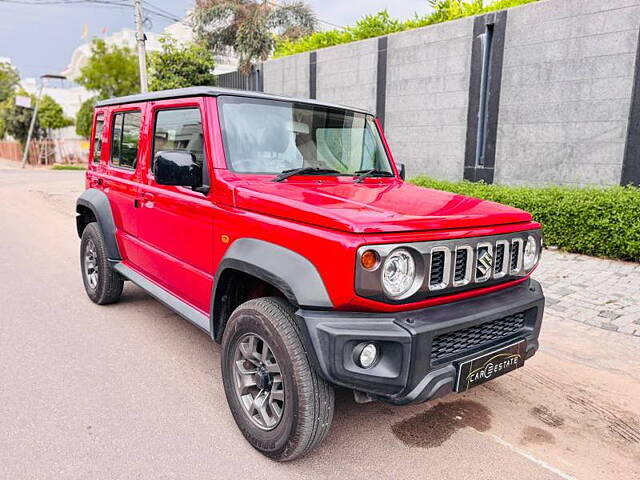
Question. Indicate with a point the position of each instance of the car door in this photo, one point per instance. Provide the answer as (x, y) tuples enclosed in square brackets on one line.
[(121, 173), (175, 224)]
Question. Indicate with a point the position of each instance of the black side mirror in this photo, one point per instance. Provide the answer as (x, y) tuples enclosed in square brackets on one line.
[(177, 167), (402, 172)]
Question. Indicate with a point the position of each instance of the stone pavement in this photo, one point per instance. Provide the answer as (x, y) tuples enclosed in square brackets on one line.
[(595, 291)]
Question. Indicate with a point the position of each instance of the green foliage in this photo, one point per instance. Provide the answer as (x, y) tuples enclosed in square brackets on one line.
[(68, 167), (382, 24), (593, 221), (111, 71), (16, 120), (84, 117), (51, 115), (9, 78), (177, 66), (250, 26)]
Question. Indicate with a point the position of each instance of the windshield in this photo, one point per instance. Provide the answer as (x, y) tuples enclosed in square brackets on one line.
[(271, 136)]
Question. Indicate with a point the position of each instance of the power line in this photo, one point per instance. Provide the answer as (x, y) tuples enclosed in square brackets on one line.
[(273, 3)]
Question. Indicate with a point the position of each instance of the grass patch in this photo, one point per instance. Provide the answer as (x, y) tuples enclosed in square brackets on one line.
[(69, 167), (593, 221)]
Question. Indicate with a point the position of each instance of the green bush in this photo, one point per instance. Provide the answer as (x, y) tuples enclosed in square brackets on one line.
[(593, 221), (382, 24)]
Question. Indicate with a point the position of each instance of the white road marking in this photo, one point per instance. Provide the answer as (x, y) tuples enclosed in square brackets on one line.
[(530, 457)]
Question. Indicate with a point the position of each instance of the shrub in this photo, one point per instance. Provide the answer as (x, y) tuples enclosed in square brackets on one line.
[(382, 24), (593, 221)]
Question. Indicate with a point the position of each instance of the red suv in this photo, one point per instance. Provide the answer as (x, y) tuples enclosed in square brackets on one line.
[(284, 230)]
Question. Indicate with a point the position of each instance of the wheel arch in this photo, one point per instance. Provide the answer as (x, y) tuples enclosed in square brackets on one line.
[(287, 273), (93, 206)]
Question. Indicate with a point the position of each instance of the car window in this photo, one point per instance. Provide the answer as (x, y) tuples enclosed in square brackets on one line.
[(270, 136), (97, 138), (179, 129), (125, 138)]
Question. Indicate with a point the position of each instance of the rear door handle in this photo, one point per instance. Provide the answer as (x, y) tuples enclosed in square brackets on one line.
[(148, 197)]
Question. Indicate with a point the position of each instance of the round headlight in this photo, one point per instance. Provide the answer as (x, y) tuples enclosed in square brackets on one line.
[(398, 274), (531, 253)]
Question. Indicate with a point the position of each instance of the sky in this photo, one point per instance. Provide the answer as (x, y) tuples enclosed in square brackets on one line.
[(41, 38)]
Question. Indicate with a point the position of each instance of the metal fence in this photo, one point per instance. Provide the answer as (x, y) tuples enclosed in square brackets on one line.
[(240, 81)]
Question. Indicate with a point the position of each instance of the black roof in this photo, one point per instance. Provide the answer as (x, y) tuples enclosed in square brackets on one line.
[(211, 92)]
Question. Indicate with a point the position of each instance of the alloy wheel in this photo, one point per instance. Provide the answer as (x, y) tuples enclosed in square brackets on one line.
[(258, 381)]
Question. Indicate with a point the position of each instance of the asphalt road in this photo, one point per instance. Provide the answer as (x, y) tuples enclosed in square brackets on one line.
[(133, 391)]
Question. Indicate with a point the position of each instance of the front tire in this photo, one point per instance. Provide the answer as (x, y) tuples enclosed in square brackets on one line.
[(281, 405), (102, 283)]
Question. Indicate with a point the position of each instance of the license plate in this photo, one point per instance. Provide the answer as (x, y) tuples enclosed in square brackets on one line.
[(489, 366)]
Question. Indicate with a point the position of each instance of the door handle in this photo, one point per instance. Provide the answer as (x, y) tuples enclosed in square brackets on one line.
[(148, 197), (96, 182)]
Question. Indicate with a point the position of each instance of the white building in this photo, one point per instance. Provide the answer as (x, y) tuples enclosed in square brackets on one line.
[(127, 38)]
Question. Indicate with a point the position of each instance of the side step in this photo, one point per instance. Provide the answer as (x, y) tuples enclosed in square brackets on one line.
[(181, 308)]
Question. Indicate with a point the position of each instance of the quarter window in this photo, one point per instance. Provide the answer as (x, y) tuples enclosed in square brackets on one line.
[(125, 138), (97, 139), (179, 129)]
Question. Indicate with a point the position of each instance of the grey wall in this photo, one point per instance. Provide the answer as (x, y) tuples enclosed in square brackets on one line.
[(427, 93), (566, 91), (566, 86), (287, 76), (347, 76)]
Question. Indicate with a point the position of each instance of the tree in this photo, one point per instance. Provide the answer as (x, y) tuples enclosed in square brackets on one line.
[(178, 65), (84, 117), (9, 78), (111, 71), (250, 26), (50, 114), (16, 120)]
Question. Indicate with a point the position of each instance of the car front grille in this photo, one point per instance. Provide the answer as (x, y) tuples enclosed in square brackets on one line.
[(437, 268), (462, 257), (462, 341), (451, 265)]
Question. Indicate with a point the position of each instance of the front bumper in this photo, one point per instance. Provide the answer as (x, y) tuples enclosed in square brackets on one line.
[(409, 369)]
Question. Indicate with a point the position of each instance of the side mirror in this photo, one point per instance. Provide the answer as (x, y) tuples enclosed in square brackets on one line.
[(177, 167), (402, 172)]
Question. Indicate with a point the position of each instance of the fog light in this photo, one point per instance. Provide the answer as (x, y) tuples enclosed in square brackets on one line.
[(368, 355)]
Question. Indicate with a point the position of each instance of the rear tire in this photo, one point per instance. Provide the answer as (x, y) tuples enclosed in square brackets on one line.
[(102, 283), (282, 406)]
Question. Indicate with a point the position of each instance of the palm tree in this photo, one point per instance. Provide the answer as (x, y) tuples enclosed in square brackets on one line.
[(250, 26)]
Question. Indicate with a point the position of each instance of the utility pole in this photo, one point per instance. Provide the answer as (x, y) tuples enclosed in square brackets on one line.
[(140, 38), (25, 155)]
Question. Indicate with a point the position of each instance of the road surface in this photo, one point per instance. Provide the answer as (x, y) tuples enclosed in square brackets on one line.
[(133, 391)]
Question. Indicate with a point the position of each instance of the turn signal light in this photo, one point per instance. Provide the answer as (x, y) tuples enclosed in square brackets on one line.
[(369, 259)]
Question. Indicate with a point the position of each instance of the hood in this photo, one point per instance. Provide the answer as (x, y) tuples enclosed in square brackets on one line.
[(371, 206)]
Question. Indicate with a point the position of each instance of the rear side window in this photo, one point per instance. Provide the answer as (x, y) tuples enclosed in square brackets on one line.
[(125, 137), (97, 138), (179, 129)]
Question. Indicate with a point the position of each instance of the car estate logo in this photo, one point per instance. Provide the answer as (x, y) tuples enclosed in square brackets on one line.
[(493, 366), (485, 261)]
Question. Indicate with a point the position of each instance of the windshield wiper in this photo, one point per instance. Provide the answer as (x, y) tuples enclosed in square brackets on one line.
[(304, 171), (362, 174)]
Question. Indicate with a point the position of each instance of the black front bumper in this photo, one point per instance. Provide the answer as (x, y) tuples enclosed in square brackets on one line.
[(420, 349)]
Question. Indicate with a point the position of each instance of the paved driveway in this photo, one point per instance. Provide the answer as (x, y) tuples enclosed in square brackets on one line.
[(132, 391)]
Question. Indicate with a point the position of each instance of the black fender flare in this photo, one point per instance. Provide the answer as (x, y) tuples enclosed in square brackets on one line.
[(98, 202), (291, 273)]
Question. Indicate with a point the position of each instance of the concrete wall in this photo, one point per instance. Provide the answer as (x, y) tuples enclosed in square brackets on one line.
[(346, 74), (427, 94), (566, 91), (565, 94), (287, 76)]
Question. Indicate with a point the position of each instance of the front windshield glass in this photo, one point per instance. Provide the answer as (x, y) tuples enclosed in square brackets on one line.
[(270, 136)]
